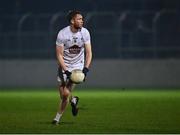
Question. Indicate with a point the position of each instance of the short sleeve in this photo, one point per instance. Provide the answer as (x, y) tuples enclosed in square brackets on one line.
[(87, 38), (60, 39)]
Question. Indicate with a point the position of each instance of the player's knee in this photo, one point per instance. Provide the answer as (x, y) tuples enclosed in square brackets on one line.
[(66, 94)]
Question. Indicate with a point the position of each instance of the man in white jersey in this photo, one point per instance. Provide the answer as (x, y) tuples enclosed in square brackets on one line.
[(71, 44)]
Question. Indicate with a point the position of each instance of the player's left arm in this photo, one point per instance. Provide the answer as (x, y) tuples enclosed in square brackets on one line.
[(88, 55), (88, 59), (88, 52)]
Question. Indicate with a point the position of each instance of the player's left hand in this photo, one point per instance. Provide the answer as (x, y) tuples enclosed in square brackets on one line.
[(85, 71)]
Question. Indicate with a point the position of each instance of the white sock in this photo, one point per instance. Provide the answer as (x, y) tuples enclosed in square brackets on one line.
[(58, 116), (73, 100)]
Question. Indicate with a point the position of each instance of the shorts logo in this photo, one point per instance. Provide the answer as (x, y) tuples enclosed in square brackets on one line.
[(75, 49)]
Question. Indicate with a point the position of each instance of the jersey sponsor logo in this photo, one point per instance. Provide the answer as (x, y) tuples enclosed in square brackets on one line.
[(75, 49)]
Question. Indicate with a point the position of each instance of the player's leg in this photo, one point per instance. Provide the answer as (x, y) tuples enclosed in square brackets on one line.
[(64, 94), (71, 89), (65, 89), (73, 100)]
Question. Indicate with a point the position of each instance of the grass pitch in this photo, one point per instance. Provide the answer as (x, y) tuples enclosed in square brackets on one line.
[(101, 111)]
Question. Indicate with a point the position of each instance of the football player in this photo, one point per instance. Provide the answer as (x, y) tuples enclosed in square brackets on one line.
[(73, 51)]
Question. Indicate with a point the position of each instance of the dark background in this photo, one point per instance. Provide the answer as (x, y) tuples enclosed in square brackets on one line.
[(53, 6), (120, 29), (136, 43)]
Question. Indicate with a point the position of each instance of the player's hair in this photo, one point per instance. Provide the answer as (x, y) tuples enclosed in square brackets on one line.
[(71, 14)]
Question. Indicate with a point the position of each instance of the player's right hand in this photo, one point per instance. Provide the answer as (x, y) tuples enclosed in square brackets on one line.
[(68, 74)]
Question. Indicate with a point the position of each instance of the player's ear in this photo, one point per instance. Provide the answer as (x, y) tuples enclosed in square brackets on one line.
[(72, 21)]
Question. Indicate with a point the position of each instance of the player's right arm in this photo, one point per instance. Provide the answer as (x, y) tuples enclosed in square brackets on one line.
[(59, 55), (60, 50)]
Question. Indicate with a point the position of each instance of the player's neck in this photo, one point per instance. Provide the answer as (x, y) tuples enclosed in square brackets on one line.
[(74, 30)]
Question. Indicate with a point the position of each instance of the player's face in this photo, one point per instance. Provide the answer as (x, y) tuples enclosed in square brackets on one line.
[(78, 21)]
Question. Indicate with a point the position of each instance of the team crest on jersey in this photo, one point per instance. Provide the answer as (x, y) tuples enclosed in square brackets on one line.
[(75, 49), (75, 39)]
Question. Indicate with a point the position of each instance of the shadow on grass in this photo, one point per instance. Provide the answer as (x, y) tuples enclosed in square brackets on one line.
[(61, 123)]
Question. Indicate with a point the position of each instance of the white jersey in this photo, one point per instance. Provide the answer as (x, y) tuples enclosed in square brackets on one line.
[(73, 46)]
